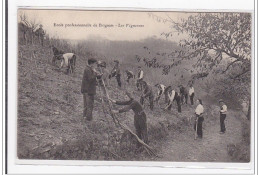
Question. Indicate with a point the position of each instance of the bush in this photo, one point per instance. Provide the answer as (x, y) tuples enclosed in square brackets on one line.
[(241, 151)]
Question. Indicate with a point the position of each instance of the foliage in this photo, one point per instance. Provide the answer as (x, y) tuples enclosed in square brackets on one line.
[(219, 45), (240, 151)]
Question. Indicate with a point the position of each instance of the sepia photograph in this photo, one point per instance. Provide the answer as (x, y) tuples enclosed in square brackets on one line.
[(125, 85)]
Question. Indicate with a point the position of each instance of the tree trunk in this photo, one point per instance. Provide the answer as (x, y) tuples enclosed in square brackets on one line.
[(24, 38), (32, 37), (249, 111)]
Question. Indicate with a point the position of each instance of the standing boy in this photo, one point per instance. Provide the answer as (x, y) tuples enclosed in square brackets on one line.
[(223, 115)]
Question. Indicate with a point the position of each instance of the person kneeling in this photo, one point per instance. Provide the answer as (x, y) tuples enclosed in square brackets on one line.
[(140, 122)]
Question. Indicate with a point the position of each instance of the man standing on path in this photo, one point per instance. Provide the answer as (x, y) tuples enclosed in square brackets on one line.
[(199, 118), (223, 114), (88, 88), (191, 94)]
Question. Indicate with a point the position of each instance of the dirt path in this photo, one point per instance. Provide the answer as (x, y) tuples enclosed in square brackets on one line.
[(213, 146)]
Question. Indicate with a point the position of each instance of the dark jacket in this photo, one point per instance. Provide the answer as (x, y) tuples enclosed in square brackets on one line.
[(183, 91), (116, 70), (89, 81), (40, 32), (148, 91), (131, 104)]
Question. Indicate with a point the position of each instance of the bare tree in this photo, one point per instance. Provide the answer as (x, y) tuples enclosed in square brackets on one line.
[(28, 26), (24, 26), (33, 25)]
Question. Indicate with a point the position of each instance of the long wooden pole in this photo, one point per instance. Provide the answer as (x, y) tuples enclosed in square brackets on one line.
[(117, 123)]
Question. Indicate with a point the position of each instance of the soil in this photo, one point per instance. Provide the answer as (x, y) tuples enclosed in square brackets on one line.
[(211, 148)]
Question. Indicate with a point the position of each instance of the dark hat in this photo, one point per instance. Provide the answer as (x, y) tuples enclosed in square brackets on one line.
[(220, 100), (116, 61), (92, 60), (139, 67)]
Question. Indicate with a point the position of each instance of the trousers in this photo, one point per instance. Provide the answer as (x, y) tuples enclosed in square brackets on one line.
[(191, 98), (138, 84), (199, 126), (184, 97), (151, 99), (222, 122), (88, 101), (118, 80), (178, 101), (141, 126)]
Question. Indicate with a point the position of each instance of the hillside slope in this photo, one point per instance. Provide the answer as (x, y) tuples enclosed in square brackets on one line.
[(50, 123)]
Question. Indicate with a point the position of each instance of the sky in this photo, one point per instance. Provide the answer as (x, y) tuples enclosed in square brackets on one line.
[(57, 23)]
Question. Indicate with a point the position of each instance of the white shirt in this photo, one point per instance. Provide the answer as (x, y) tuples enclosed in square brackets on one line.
[(131, 72), (223, 109), (141, 75), (67, 57), (191, 91), (162, 88), (199, 110), (171, 95)]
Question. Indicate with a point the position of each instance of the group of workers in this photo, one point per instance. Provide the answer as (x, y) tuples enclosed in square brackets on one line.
[(95, 70)]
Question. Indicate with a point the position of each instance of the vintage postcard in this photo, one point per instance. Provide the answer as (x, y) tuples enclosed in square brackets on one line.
[(158, 86)]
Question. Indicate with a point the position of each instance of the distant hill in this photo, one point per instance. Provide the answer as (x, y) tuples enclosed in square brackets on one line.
[(127, 49)]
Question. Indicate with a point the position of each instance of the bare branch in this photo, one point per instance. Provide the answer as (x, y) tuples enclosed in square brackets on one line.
[(237, 76), (230, 64)]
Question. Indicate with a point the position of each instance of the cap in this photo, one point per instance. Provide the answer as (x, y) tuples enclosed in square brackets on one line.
[(139, 66), (116, 61), (221, 100)]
